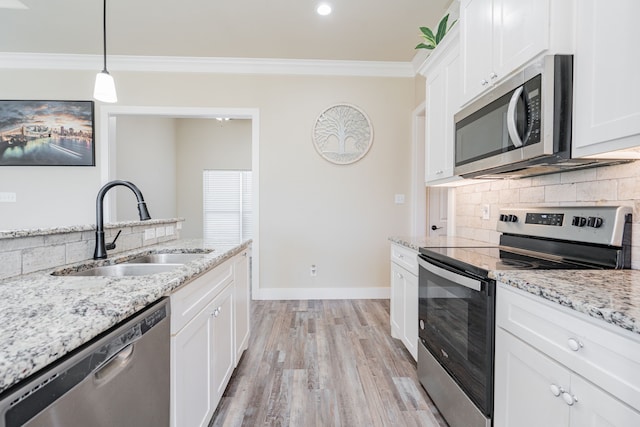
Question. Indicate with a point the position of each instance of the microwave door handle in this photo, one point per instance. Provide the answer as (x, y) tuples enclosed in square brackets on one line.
[(511, 117)]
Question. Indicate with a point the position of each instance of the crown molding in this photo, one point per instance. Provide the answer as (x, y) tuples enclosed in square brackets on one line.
[(171, 64)]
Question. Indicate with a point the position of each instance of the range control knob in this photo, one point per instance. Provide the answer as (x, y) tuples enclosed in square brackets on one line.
[(594, 221), (512, 218), (503, 217), (579, 221)]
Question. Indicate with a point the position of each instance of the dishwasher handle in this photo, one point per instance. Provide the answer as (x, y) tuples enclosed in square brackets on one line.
[(116, 364)]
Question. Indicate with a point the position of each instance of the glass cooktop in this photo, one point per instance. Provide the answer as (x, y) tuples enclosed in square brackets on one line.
[(481, 260)]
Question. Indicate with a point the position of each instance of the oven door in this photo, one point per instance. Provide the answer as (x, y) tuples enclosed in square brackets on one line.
[(456, 319)]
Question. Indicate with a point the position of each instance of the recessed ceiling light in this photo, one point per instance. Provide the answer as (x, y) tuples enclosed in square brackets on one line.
[(323, 9), (12, 4)]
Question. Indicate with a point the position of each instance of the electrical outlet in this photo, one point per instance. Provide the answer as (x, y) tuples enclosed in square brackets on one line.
[(8, 197), (398, 199), (486, 212), (313, 271)]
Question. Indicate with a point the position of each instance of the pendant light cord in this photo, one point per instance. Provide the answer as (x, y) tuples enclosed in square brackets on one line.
[(104, 34)]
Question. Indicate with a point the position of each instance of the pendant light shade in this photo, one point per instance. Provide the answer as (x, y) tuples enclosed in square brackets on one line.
[(105, 88)]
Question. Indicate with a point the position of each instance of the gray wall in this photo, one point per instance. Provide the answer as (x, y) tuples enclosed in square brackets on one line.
[(146, 156)]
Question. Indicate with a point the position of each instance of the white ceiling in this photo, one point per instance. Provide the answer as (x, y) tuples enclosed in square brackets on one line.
[(362, 30)]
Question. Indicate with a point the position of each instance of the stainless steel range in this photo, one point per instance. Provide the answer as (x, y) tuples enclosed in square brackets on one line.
[(457, 295)]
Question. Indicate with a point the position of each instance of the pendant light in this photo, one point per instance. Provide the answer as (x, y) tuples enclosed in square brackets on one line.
[(105, 88)]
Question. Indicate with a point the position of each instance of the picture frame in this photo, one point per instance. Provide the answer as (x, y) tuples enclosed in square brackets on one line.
[(47, 133)]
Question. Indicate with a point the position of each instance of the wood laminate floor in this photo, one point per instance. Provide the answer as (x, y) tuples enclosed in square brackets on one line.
[(324, 363)]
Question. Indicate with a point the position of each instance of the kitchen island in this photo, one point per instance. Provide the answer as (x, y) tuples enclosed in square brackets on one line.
[(44, 317)]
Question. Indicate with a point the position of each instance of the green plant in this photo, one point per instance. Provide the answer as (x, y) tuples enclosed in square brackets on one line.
[(431, 40)]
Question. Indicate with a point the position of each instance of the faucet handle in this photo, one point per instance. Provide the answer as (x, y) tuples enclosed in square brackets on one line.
[(112, 245)]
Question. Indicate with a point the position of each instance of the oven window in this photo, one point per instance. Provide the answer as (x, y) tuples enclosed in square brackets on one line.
[(458, 332)]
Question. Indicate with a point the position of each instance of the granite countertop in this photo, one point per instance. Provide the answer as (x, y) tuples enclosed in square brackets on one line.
[(30, 232), (612, 296), (609, 295), (44, 317), (416, 243)]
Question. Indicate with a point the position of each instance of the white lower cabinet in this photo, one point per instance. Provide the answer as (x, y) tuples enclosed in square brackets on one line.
[(404, 297), (552, 369), (242, 302), (205, 328)]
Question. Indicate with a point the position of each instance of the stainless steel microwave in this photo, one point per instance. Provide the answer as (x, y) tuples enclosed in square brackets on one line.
[(522, 127)]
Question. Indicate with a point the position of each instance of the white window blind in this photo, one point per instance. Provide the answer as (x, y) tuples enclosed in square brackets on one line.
[(227, 206)]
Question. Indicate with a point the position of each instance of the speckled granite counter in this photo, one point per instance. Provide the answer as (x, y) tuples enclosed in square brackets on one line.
[(44, 317), (609, 295), (612, 296), (439, 242)]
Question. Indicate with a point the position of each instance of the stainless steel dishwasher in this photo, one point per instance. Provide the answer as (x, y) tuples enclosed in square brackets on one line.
[(120, 379)]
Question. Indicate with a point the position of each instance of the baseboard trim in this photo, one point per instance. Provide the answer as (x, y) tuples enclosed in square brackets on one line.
[(322, 293)]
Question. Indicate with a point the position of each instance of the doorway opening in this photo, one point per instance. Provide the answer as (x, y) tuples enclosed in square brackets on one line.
[(108, 131)]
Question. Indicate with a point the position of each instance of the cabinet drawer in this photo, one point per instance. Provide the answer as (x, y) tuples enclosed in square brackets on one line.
[(597, 352), (405, 258), (191, 298)]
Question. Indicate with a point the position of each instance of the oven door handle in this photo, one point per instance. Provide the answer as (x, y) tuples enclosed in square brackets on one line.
[(459, 279)]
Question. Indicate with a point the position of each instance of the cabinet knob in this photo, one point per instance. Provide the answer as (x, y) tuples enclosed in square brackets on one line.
[(569, 399), (400, 276), (555, 390), (401, 256), (493, 76), (574, 344), (484, 82), (216, 312)]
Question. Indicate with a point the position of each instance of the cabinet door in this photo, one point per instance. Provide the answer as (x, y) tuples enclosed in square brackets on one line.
[(222, 348), (242, 303), (476, 38), (397, 300), (410, 334), (191, 400), (523, 381), (520, 33), (596, 408), (606, 107), (442, 102)]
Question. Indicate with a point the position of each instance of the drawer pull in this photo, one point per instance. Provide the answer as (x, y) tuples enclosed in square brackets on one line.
[(400, 256), (555, 390), (569, 399), (574, 344)]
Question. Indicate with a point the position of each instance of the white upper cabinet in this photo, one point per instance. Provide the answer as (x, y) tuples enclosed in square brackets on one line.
[(500, 36), (606, 63), (442, 71)]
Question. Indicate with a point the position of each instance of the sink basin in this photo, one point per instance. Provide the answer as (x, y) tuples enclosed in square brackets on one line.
[(176, 258), (127, 269)]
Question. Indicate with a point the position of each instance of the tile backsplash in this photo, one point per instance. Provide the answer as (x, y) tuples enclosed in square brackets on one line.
[(611, 185)]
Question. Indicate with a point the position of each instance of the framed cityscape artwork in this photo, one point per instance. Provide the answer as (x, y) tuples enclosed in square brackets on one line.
[(47, 133)]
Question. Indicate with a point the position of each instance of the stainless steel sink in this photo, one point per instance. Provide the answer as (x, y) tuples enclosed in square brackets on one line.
[(174, 258), (127, 269)]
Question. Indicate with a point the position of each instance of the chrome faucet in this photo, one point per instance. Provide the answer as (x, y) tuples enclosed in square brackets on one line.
[(101, 248)]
